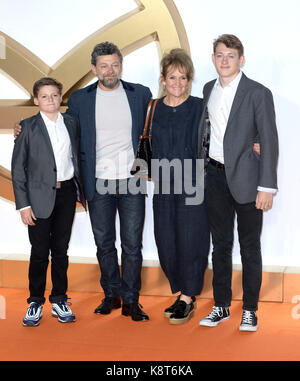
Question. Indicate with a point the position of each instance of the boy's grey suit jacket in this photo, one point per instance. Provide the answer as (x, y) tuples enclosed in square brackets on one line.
[(34, 172), (252, 119)]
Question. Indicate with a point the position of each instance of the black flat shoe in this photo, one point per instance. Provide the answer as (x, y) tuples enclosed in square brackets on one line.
[(134, 311), (107, 305), (183, 313), (170, 310)]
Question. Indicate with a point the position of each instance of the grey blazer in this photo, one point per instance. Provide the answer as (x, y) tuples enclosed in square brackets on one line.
[(252, 119), (34, 173)]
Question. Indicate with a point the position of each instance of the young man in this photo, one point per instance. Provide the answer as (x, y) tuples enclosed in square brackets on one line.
[(237, 113), (112, 114), (45, 175)]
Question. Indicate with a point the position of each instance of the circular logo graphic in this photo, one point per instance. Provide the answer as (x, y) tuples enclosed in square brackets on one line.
[(152, 20)]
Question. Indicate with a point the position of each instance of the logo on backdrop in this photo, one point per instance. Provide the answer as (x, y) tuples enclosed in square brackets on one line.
[(2, 48), (130, 32)]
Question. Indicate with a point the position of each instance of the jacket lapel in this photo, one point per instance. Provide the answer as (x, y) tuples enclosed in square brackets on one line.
[(45, 134), (204, 133), (131, 96), (71, 130), (208, 91), (239, 96), (91, 107)]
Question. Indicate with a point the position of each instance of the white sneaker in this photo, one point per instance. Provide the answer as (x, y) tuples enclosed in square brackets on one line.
[(33, 315), (217, 315), (63, 312)]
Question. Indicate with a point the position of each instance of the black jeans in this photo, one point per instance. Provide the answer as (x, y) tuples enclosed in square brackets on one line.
[(131, 210), (52, 235), (221, 212)]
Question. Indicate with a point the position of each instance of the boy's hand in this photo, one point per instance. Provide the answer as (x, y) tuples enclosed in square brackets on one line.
[(264, 200), (17, 130), (28, 216)]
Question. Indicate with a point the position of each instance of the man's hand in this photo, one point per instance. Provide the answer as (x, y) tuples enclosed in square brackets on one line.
[(28, 216), (264, 200), (17, 130)]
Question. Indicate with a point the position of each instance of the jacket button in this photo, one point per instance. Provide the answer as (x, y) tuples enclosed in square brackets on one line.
[(53, 187)]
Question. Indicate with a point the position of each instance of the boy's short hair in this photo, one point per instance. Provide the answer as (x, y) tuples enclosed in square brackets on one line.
[(105, 49), (230, 41), (46, 81)]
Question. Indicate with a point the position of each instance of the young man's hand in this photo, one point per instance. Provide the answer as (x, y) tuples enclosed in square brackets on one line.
[(264, 200), (28, 216)]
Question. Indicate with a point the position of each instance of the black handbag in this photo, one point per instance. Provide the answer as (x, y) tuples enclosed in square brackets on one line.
[(142, 163)]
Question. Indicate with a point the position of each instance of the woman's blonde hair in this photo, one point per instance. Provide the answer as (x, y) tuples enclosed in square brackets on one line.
[(177, 59)]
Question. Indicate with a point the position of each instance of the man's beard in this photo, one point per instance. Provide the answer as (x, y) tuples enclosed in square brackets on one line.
[(110, 84)]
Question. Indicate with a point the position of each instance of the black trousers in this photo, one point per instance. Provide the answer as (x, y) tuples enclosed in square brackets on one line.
[(221, 212), (52, 235)]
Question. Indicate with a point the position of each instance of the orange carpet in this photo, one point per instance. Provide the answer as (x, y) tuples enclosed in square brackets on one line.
[(117, 338)]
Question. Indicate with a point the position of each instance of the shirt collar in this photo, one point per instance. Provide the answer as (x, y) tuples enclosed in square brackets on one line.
[(233, 84), (49, 121)]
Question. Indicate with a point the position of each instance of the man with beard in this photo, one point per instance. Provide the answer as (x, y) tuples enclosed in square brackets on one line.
[(111, 114)]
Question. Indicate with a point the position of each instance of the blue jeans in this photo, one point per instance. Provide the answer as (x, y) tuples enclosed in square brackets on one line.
[(131, 210)]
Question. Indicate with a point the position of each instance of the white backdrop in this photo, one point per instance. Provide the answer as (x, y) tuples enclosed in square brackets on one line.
[(269, 30)]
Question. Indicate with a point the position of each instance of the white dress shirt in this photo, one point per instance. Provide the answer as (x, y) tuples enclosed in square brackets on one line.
[(219, 106), (61, 145)]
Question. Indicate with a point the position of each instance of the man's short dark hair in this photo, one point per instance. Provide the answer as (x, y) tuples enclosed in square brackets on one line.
[(230, 41), (46, 81), (105, 49)]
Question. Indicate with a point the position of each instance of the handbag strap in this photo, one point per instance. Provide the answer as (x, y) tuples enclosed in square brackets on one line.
[(154, 102)]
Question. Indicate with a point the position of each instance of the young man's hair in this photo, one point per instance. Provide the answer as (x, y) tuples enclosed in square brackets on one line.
[(177, 59), (46, 81), (105, 49), (230, 41)]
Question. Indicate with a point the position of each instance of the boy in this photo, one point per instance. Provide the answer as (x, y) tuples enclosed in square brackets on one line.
[(237, 113), (46, 182)]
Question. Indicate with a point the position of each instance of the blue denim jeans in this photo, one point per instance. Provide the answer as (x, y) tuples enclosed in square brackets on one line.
[(131, 210)]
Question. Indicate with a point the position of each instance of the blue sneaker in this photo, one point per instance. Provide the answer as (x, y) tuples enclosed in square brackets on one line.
[(33, 315), (63, 312)]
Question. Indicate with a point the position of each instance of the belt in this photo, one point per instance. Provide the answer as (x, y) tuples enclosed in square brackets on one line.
[(62, 184), (216, 164)]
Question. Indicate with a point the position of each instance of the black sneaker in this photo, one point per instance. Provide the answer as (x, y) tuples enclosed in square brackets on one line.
[(217, 315), (249, 321), (170, 310), (183, 312)]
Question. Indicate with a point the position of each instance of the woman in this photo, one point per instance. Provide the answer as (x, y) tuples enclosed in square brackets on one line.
[(181, 230)]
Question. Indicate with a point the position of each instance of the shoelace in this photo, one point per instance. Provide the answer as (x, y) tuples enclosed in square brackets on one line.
[(64, 305), (137, 307), (33, 308), (247, 317), (216, 311)]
